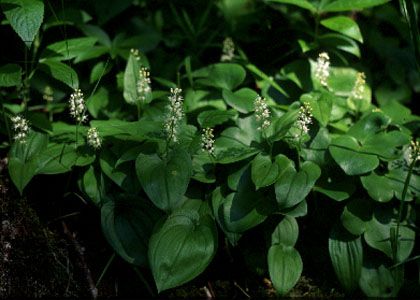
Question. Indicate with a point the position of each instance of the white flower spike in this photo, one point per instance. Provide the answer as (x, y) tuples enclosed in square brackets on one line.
[(20, 127), (207, 140), (262, 113), (175, 114), (322, 69), (78, 106), (228, 51), (93, 138)]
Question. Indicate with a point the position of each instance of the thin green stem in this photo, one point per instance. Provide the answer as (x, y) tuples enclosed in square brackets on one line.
[(108, 264), (146, 284), (9, 134), (404, 194)]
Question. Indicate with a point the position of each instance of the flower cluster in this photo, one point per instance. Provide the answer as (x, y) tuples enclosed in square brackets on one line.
[(262, 113), (143, 84), (93, 138), (78, 106), (175, 114), (20, 127), (48, 94), (135, 53), (412, 153), (228, 50), (322, 69), (359, 86), (304, 118), (207, 140)]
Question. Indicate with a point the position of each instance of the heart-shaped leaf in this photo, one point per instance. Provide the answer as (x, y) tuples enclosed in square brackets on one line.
[(349, 155), (285, 267), (127, 224), (165, 181), (292, 187), (321, 105), (223, 75), (242, 100), (25, 16), (286, 232), (182, 248), (356, 215), (264, 172)]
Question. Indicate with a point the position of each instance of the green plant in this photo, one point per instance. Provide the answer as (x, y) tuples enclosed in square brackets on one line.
[(172, 169)]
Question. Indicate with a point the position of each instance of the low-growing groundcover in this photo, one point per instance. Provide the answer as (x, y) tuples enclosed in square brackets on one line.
[(247, 148)]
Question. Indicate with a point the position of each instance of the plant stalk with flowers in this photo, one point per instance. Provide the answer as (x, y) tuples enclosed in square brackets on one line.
[(77, 110), (175, 114)]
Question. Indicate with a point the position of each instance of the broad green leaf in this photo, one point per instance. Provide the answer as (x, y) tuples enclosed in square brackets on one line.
[(286, 232), (343, 25), (298, 71), (321, 105), (264, 172), (356, 215), (165, 181), (242, 100), (211, 118), (317, 151), (348, 154), (383, 187), (292, 187), (23, 159), (21, 172), (346, 253), (60, 158), (68, 49), (246, 199), (123, 175), (222, 210), (98, 102), (223, 75), (93, 185), (345, 5), (341, 82), (285, 267), (135, 131), (386, 144), (203, 167), (127, 224), (10, 75), (182, 248), (341, 42), (282, 125), (335, 184), (377, 281), (377, 234), (131, 79), (25, 16), (301, 3), (61, 72), (369, 125)]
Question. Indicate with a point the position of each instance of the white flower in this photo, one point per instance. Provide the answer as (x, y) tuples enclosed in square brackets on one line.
[(143, 84), (262, 113), (412, 153), (322, 69), (93, 138), (304, 118), (175, 114), (228, 50), (135, 53), (20, 127), (359, 86), (207, 140), (78, 106)]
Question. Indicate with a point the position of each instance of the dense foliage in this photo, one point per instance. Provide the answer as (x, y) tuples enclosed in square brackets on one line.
[(192, 123)]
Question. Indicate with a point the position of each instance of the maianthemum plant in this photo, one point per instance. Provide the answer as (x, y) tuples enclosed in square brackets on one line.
[(178, 166)]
